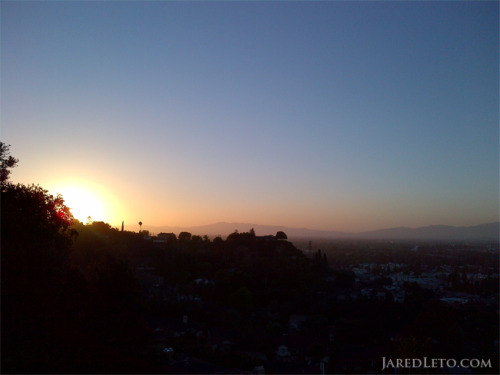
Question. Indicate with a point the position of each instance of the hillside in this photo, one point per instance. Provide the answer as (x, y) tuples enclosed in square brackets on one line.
[(482, 232)]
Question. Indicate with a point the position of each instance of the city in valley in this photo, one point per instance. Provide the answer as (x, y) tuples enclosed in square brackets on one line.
[(255, 303), (92, 298)]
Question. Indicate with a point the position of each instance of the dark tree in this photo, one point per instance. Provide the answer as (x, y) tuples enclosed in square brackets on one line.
[(218, 241), (184, 236), (34, 223), (31, 214), (55, 318), (233, 236), (7, 162), (280, 235), (36, 240)]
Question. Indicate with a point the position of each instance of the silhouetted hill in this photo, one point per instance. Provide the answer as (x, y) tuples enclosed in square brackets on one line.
[(224, 229), (482, 232)]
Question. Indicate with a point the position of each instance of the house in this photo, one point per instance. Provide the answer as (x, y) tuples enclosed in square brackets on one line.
[(166, 236)]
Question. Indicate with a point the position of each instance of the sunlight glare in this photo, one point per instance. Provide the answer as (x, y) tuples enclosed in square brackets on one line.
[(82, 203)]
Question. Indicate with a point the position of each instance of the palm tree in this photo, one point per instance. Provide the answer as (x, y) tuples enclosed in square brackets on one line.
[(140, 226)]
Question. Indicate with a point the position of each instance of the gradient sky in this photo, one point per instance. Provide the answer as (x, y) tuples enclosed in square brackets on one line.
[(329, 115)]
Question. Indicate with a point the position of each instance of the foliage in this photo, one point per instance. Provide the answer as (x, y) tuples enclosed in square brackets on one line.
[(65, 308), (280, 235), (6, 162), (241, 238), (184, 236), (34, 220)]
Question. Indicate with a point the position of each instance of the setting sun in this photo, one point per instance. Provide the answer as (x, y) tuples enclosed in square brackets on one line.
[(83, 199), (83, 204)]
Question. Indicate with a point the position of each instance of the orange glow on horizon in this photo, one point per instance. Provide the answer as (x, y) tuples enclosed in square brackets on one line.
[(85, 199)]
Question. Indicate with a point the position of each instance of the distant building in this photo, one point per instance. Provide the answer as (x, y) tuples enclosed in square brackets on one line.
[(167, 236)]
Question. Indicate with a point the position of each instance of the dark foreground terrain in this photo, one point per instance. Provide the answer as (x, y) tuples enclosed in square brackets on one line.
[(92, 299)]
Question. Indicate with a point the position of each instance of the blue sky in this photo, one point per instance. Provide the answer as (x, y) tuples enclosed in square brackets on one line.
[(328, 115)]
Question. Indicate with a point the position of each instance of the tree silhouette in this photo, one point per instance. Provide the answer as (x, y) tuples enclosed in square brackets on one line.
[(7, 162), (56, 318), (36, 239), (30, 211), (184, 236), (140, 226), (280, 235)]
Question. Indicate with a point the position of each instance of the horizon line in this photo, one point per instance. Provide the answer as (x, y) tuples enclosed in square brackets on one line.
[(316, 230)]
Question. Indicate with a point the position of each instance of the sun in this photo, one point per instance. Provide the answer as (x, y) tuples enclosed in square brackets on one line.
[(82, 203)]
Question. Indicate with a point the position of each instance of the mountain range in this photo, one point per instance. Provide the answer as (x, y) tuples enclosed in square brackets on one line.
[(482, 232)]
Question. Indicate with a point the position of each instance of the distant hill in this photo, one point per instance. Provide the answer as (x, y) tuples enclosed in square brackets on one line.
[(482, 232)]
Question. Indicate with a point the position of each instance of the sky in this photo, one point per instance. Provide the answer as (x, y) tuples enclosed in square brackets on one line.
[(346, 116)]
